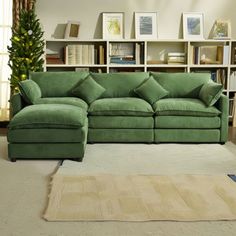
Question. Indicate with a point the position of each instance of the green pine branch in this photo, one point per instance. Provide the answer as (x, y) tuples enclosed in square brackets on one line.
[(27, 48)]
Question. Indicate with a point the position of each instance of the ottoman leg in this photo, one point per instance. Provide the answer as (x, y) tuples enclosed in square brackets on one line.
[(13, 159)]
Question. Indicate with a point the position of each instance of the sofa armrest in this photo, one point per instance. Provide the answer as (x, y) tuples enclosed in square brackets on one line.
[(16, 104), (223, 105)]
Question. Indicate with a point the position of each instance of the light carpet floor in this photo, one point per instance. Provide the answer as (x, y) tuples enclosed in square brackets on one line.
[(24, 187), (109, 197)]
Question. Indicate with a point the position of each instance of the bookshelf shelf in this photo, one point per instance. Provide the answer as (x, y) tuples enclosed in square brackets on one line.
[(167, 66), (74, 65), (208, 66), (126, 65), (164, 55)]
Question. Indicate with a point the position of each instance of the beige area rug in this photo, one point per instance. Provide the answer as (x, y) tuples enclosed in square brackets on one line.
[(107, 197)]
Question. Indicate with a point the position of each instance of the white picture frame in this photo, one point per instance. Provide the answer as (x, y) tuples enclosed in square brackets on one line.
[(113, 25), (193, 25), (222, 29), (146, 25), (72, 30)]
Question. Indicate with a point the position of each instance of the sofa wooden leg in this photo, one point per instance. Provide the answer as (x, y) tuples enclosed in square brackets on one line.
[(13, 159), (222, 143)]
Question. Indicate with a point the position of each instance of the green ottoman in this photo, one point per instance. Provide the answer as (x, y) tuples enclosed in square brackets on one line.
[(48, 131)]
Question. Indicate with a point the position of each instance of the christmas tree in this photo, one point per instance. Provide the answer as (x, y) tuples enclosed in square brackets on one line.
[(27, 48)]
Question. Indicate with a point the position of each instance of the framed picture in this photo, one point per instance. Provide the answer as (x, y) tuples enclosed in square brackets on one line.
[(193, 25), (112, 25), (222, 29), (72, 30), (146, 25)]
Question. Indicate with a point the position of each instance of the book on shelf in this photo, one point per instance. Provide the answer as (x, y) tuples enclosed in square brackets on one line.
[(233, 55), (53, 57), (232, 81), (101, 57), (234, 111), (87, 69)]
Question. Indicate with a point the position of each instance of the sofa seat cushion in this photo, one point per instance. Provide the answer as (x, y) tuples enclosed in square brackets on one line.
[(120, 107), (64, 100), (119, 122), (49, 116), (187, 122), (184, 107)]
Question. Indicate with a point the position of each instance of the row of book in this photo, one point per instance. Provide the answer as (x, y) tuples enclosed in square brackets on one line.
[(209, 54), (84, 54), (232, 108), (232, 81), (126, 53), (233, 58), (53, 57)]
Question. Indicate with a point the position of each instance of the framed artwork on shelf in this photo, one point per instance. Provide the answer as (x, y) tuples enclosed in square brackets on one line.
[(112, 25), (72, 30), (146, 25), (222, 29), (193, 25)]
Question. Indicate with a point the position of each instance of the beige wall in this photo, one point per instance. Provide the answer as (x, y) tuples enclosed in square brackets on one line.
[(55, 13)]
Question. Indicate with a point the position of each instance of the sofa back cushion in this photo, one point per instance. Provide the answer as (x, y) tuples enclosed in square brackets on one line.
[(120, 84), (57, 84), (182, 85)]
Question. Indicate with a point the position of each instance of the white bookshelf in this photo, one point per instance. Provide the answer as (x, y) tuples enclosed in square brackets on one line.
[(153, 54)]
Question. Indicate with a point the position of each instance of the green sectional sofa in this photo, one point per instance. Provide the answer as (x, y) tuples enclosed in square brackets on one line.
[(57, 113)]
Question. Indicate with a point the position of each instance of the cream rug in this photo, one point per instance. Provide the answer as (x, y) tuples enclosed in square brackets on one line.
[(108, 197)]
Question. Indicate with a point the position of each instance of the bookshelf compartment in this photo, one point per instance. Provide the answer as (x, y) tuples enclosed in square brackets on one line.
[(209, 53), (166, 53), (63, 53), (126, 53)]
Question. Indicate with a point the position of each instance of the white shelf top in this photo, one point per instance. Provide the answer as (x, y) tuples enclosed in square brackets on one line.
[(208, 66), (74, 65), (125, 65), (140, 40), (75, 40)]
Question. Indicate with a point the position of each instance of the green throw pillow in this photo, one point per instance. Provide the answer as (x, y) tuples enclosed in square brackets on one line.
[(151, 91), (210, 93), (30, 91), (88, 89)]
